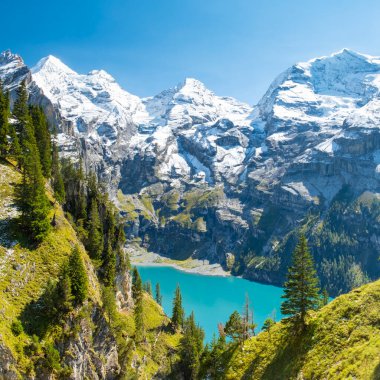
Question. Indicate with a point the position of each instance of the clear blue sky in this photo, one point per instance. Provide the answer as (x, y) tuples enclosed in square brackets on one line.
[(236, 47)]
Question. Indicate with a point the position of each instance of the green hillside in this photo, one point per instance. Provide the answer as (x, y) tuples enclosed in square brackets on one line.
[(342, 342), (32, 345)]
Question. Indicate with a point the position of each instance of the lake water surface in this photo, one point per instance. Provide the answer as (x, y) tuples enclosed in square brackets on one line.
[(213, 298)]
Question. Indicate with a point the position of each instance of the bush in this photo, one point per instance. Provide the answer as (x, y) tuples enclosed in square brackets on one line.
[(52, 358), (17, 328)]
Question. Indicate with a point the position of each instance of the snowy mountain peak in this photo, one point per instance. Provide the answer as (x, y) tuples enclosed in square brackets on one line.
[(102, 74), (12, 71), (51, 64), (192, 85), (7, 57)]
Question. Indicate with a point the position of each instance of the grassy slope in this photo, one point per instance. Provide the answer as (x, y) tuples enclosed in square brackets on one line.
[(151, 355), (24, 269), (24, 272), (343, 342)]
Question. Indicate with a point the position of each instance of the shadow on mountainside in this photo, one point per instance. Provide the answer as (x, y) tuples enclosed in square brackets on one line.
[(290, 349)]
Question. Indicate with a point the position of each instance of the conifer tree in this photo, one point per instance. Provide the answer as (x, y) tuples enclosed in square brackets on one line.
[(4, 123), (301, 288), (95, 238), (234, 327), (268, 323), (212, 361), (137, 294), (324, 297), (64, 298), (33, 202), (78, 277), (158, 296), (109, 264), (148, 287), (43, 138), (57, 180), (191, 348), (178, 314), (136, 284), (109, 304), (21, 113)]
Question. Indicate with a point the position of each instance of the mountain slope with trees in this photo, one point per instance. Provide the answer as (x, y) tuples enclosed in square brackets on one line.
[(65, 302), (342, 341)]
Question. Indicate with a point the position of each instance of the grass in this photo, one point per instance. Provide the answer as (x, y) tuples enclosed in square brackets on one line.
[(151, 356), (26, 269), (342, 342)]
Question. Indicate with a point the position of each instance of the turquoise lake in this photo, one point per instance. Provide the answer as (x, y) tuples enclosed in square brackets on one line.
[(213, 298)]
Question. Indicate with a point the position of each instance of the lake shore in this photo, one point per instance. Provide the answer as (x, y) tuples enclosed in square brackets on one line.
[(139, 256)]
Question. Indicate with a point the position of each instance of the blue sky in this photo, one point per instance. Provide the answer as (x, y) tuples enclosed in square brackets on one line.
[(236, 47)]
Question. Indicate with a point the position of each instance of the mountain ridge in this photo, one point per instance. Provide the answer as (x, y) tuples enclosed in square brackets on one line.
[(240, 180)]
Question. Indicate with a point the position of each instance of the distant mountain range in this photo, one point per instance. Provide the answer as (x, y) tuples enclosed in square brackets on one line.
[(199, 175)]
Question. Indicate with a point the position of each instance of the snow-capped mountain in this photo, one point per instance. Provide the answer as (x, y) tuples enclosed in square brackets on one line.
[(315, 132)]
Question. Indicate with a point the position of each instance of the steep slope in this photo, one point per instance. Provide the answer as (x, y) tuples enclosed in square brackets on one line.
[(85, 343), (342, 342)]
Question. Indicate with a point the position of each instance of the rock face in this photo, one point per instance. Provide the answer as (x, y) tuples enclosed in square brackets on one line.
[(275, 167), (91, 354)]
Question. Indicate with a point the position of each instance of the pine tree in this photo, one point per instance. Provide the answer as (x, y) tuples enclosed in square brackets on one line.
[(78, 277), (95, 238), (234, 327), (301, 288), (43, 138), (64, 297), (57, 180), (191, 348), (148, 287), (21, 113), (324, 297), (158, 294), (136, 284), (137, 294), (4, 123), (212, 361), (33, 202), (108, 264), (109, 303), (178, 314)]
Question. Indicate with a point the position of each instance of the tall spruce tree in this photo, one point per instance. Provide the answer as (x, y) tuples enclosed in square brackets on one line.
[(4, 122), (136, 284), (137, 293), (78, 277), (95, 236), (21, 113), (301, 288), (43, 138), (235, 328), (108, 264), (33, 202), (64, 297), (158, 295), (178, 314), (191, 348)]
